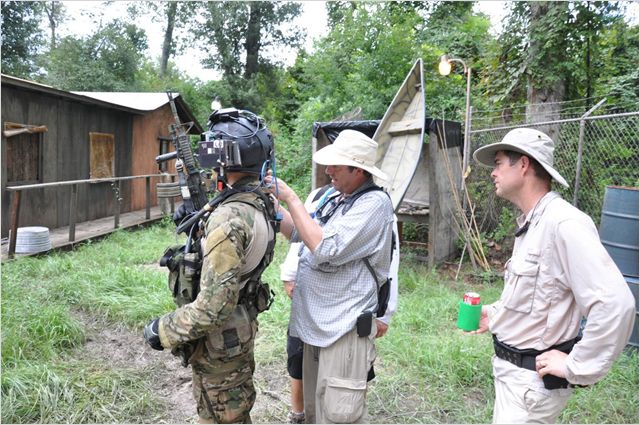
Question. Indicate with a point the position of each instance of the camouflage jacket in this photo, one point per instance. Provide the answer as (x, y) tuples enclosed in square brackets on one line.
[(231, 233)]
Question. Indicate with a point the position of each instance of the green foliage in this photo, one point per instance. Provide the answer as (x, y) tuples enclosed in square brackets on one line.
[(417, 232), (233, 29), (107, 60), (22, 37), (505, 226), (588, 34)]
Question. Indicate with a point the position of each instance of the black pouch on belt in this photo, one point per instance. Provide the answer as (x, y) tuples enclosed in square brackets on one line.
[(363, 324)]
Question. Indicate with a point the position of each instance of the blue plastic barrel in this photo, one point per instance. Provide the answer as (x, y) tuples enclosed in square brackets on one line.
[(633, 285), (619, 227), (619, 235)]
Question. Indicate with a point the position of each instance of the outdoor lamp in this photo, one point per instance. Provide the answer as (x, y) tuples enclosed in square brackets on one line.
[(444, 67)]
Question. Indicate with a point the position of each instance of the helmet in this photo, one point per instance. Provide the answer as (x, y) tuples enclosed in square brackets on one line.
[(237, 140)]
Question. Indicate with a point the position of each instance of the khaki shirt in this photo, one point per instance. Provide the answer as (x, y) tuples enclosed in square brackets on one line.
[(558, 273)]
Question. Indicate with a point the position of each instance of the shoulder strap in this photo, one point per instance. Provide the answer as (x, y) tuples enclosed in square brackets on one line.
[(321, 192), (373, 272), (352, 199)]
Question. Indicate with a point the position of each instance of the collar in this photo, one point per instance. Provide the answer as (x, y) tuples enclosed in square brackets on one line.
[(536, 212), (251, 181), (366, 185)]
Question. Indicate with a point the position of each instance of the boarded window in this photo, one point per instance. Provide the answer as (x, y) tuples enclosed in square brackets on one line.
[(102, 156), (24, 159)]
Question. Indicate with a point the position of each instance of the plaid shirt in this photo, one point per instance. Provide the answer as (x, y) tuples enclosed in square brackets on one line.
[(333, 284)]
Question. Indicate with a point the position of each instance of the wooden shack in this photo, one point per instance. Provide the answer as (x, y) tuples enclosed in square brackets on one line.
[(429, 198), (52, 135)]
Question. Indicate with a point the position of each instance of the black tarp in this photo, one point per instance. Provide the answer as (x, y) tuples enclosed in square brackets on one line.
[(333, 128)]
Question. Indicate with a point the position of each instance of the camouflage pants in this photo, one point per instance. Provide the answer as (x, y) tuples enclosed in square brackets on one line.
[(223, 366), (232, 405)]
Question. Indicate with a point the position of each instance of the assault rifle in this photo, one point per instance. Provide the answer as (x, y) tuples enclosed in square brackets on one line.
[(184, 262), (192, 189)]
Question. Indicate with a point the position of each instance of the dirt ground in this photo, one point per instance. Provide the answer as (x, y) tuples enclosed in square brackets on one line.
[(119, 347)]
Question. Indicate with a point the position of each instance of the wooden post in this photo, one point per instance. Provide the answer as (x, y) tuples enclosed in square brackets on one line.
[(116, 216), (147, 195), (442, 226), (73, 205), (15, 214), (400, 233)]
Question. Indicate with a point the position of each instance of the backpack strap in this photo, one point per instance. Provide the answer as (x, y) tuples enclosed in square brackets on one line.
[(383, 290)]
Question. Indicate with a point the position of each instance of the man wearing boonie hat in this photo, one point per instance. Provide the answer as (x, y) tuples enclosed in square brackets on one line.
[(558, 273), (336, 296)]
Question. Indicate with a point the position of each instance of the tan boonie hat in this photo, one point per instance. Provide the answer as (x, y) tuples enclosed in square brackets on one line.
[(527, 141), (351, 148)]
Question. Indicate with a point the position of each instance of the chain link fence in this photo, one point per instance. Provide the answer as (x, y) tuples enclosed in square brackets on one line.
[(591, 153)]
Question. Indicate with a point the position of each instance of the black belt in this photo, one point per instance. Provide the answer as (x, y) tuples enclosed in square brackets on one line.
[(526, 358)]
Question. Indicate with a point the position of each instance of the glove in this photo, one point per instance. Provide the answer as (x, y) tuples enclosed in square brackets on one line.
[(180, 214), (151, 335)]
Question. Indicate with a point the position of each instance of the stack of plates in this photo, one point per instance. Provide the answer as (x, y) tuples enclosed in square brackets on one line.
[(32, 239)]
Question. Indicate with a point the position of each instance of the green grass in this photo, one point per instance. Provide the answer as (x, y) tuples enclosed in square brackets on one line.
[(427, 370), (76, 392)]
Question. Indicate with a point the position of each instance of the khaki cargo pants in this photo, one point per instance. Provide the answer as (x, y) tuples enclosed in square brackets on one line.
[(520, 401), (335, 379)]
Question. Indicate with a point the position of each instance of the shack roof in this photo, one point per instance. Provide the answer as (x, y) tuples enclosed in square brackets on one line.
[(131, 102)]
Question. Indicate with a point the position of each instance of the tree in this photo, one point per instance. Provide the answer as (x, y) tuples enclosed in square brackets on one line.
[(617, 66), (56, 14), (552, 51), (107, 60), (454, 29), (547, 64), (167, 44), (21, 37), (174, 15), (233, 28)]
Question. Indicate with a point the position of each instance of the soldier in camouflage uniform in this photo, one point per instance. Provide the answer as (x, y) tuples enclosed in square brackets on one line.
[(236, 247)]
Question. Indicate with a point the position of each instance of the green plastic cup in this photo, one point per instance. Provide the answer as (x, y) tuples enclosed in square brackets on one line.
[(469, 316)]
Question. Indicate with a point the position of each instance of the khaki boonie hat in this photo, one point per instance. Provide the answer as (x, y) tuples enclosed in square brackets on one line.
[(351, 148), (527, 141)]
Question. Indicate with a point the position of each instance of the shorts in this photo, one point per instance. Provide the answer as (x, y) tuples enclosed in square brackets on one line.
[(294, 356)]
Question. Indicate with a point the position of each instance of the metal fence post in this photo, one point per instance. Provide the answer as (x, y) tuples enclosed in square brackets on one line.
[(580, 149)]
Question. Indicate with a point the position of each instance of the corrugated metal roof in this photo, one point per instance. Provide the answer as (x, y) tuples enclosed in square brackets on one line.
[(135, 100)]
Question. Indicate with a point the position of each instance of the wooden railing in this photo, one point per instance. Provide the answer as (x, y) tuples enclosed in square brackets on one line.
[(17, 194)]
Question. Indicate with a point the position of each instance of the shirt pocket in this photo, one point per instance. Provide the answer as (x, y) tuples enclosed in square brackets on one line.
[(521, 281)]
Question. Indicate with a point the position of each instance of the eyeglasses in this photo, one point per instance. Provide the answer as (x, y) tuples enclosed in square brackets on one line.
[(323, 214)]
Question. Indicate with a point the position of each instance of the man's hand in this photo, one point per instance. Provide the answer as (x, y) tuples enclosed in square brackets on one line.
[(484, 322), (551, 362), (382, 328), (288, 287), (151, 335), (281, 190)]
